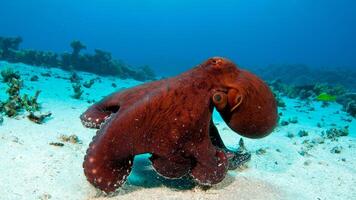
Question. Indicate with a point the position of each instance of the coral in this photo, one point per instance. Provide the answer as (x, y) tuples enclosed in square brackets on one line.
[(77, 46), (8, 46), (30, 104), (15, 104), (88, 84), (34, 78), (77, 88), (335, 133), (72, 139), (8, 74), (1, 119), (336, 149), (75, 78)]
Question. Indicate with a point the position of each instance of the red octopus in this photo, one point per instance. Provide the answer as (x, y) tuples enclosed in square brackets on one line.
[(172, 120)]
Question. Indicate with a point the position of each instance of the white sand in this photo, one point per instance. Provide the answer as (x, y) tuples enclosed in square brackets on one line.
[(30, 168)]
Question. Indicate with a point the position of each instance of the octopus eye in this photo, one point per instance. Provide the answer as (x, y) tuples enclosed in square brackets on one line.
[(220, 100), (217, 97), (216, 61)]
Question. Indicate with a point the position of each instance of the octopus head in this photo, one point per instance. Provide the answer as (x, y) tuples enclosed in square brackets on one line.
[(243, 100)]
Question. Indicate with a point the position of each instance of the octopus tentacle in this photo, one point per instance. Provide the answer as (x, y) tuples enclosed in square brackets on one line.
[(107, 164), (210, 170), (211, 164), (172, 167), (235, 158), (97, 114), (215, 136)]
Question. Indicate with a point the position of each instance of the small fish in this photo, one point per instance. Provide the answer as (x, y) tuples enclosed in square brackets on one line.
[(325, 97)]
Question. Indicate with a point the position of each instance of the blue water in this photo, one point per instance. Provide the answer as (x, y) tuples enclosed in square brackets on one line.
[(172, 36), (293, 45)]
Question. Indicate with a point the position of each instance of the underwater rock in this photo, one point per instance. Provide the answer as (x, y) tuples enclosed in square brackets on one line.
[(46, 74), (34, 78), (261, 151), (318, 140), (348, 101), (290, 135), (351, 108), (293, 120), (303, 133), (336, 149), (284, 123), (1, 119)]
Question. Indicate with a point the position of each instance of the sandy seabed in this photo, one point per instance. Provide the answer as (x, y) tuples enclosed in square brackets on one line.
[(30, 168)]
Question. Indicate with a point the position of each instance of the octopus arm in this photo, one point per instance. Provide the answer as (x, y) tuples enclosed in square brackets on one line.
[(109, 158), (101, 111)]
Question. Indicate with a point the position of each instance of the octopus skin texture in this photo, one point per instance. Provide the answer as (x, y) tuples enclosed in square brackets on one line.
[(172, 120)]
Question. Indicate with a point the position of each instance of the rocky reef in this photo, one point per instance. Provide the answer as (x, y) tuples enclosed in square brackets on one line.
[(322, 92), (303, 75), (101, 62)]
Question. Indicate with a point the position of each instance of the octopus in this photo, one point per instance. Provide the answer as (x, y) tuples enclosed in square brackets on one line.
[(171, 119)]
